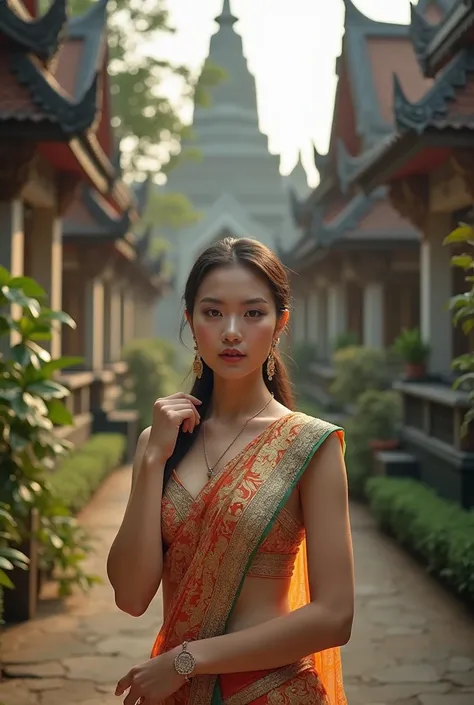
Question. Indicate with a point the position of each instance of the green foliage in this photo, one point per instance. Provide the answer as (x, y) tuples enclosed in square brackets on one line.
[(357, 370), (378, 414), (9, 557), (303, 355), (411, 347), (437, 531), (462, 307), (153, 366), (143, 114), (78, 476), (358, 458), (30, 406), (345, 340)]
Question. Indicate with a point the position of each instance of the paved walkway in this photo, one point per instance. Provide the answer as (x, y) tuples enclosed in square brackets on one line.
[(412, 644)]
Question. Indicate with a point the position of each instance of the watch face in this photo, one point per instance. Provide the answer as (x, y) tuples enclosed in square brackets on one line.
[(184, 663)]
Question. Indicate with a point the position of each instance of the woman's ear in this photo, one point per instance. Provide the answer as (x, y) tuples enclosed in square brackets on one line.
[(283, 321), (189, 321)]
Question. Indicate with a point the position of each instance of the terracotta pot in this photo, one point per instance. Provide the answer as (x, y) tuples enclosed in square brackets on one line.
[(415, 370), (384, 444)]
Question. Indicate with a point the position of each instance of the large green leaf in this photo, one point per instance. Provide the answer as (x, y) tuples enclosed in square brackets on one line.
[(60, 316), (5, 580), (58, 413), (463, 261), (47, 389), (5, 276), (5, 563), (24, 355), (464, 233), (16, 296), (17, 557), (60, 364), (29, 287)]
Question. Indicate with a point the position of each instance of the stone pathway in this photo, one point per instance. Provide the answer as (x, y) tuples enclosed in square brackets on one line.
[(412, 643)]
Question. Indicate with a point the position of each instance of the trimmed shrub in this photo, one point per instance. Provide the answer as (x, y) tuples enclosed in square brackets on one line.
[(439, 532), (78, 476)]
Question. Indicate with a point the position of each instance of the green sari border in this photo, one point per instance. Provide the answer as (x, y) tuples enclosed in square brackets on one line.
[(217, 695)]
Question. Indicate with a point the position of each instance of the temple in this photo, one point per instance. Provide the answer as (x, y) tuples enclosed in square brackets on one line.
[(235, 186)]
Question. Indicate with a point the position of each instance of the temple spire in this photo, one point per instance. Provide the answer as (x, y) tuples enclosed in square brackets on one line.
[(226, 16)]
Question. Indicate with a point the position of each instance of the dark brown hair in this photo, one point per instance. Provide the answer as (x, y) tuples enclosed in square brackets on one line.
[(266, 265)]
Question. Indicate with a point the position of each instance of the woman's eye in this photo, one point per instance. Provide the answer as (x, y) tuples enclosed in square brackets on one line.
[(254, 314), (212, 313)]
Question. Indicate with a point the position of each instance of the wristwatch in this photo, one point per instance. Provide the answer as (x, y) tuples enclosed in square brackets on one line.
[(184, 662)]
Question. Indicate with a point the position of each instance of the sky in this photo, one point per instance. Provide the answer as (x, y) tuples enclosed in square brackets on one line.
[(291, 47)]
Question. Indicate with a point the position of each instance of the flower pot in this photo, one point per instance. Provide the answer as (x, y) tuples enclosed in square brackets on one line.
[(383, 444), (415, 370)]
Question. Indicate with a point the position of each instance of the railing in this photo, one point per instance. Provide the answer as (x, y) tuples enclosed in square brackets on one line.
[(432, 432)]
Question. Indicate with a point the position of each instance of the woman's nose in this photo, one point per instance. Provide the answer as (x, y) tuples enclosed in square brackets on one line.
[(231, 331)]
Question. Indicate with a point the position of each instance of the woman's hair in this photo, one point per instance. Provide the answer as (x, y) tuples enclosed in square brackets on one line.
[(266, 265)]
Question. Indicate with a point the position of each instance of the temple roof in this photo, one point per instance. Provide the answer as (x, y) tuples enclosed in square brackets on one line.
[(436, 42), (40, 35)]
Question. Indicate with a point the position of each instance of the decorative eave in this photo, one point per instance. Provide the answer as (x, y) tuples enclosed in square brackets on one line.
[(91, 28), (72, 117), (347, 166), (355, 17), (143, 243), (434, 106), (141, 192), (421, 34), (115, 227), (41, 36), (449, 37), (321, 161)]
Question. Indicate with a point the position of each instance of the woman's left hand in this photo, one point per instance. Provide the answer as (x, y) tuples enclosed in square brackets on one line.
[(151, 682)]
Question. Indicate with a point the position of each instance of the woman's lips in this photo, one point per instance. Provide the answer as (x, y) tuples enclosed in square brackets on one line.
[(233, 358)]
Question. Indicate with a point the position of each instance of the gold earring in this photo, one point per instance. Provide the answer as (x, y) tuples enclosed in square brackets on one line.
[(197, 364), (271, 362)]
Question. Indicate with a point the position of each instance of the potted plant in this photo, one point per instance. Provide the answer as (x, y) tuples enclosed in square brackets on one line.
[(413, 350), (378, 415)]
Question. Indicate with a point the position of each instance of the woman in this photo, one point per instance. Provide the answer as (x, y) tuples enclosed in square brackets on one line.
[(254, 553)]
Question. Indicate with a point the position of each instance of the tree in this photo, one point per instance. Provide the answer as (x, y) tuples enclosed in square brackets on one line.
[(147, 123)]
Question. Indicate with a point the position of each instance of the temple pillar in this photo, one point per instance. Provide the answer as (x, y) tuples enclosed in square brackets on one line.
[(299, 320), (128, 317), (45, 264), (337, 313), (435, 292), (373, 315), (12, 246), (94, 329)]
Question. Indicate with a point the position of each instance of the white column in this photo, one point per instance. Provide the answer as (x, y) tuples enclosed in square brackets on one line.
[(337, 312), (115, 324), (435, 292), (299, 325), (12, 247), (373, 315), (45, 263), (94, 333), (128, 317)]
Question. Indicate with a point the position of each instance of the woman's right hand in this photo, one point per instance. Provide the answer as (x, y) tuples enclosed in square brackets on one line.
[(169, 414)]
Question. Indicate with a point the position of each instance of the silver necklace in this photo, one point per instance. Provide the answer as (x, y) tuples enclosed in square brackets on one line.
[(211, 468)]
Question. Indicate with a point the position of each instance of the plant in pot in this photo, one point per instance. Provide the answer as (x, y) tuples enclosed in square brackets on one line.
[(31, 407), (414, 352), (378, 416)]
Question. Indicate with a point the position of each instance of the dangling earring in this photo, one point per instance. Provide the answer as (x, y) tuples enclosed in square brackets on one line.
[(271, 362), (197, 364)]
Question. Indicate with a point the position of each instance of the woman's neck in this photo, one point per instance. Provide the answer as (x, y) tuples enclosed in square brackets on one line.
[(233, 400)]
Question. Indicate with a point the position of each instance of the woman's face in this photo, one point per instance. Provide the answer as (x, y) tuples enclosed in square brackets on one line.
[(235, 321)]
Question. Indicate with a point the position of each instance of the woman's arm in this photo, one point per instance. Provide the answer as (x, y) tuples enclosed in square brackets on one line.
[(135, 561), (327, 621)]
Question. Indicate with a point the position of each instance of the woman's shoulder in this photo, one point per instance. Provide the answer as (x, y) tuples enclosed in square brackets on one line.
[(315, 423)]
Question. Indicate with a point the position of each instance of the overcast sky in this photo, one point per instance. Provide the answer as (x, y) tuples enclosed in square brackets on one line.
[(291, 47)]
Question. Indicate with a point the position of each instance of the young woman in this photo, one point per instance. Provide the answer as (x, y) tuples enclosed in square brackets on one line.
[(254, 553)]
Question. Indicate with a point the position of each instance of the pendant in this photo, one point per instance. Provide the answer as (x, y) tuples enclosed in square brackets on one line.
[(209, 474)]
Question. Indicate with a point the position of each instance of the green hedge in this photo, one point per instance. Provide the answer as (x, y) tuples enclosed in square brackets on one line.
[(436, 530), (79, 475)]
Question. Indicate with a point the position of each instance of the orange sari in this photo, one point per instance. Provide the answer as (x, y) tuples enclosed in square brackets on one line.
[(206, 564)]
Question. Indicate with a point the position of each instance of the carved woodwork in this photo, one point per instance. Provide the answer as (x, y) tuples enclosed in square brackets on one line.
[(67, 187), (16, 159), (462, 162), (410, 197)]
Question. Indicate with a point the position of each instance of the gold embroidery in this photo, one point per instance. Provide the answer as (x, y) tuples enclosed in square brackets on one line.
[(272, 565), (270, 682), (268, 482), (179, 497), (289, 522)]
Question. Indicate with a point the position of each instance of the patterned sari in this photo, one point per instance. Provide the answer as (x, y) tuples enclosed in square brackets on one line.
[(207, 561)]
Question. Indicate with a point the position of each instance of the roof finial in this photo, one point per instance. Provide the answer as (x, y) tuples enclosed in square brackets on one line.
[(226, 16), (354, 15)]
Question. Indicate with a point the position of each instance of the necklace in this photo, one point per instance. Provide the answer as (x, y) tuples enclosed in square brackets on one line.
[(211, 468)]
